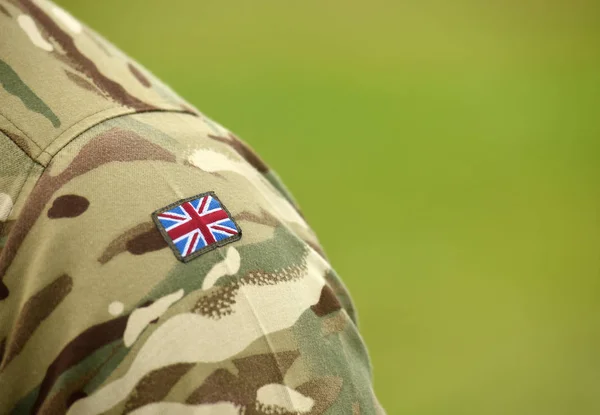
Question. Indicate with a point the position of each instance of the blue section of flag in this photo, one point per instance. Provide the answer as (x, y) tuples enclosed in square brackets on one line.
[(181, 245), (229, 224), (195, 203), (219, 236), (167, 223), (213, 204), (178, 210)]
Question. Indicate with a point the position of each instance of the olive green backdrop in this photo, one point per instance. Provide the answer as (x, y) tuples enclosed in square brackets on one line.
[(447, 153)]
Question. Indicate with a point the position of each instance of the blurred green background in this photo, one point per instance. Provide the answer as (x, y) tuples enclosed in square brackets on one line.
[(470, 129)]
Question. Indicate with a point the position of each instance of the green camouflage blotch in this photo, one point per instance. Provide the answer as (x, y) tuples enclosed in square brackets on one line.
[(331, 358), (253, 372), (15, 86), (78, 350), (190, 278), (90, 364)]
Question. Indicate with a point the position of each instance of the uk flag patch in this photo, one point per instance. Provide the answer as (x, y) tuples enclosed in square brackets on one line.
[(196, 225)]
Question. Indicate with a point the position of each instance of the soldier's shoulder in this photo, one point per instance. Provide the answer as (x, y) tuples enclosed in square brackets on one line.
[(60, 78)]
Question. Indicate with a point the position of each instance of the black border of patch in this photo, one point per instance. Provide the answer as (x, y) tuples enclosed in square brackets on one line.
[(207, 248)]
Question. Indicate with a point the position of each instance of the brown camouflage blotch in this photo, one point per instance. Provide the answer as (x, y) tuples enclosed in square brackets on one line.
[(334, 324), (265, 218), (119, 244), (289, 273), (35, 310), (79, 61), (31, 211), (341, 293), (324, 391), (356, 408), (75, 396), (149, 241), (2, 350), (5, 227), (59, 403), (328, 303), (83, 83), (4, 11), (112, 145), (138, 75), (243, 150), (156, 385), (19, 142), (146, 303), (253, 373), (222, 385), (68, 206), (219, 302), (78, 349), (3, 290)]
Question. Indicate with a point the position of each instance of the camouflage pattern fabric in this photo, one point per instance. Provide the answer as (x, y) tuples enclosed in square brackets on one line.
[(97, 315)]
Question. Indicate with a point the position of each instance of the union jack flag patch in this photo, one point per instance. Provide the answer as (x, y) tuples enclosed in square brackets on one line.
[(196, 225)]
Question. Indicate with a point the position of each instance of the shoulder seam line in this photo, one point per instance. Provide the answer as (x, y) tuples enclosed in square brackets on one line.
[(49, 156), (34, 159), (126, 112)]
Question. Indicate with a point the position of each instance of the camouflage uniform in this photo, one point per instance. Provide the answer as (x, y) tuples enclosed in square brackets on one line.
[(97, 314)]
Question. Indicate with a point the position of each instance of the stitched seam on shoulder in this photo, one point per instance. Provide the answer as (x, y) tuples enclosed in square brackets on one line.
[(123, 114), (75, 132), (40, 150), (34, 159), (73, 126)]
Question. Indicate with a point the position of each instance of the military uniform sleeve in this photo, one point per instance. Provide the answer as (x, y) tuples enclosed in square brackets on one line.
[(151, 262)]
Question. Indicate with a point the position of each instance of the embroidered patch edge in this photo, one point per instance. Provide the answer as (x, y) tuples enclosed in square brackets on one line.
[(207, 248)]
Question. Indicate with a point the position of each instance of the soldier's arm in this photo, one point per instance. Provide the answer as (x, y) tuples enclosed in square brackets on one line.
[(151, 263)]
